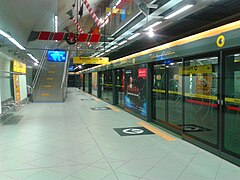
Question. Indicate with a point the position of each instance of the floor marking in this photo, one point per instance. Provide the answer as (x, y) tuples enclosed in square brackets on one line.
[(51, 72), (133, 131), (114, 108), (49, 79), (47, 86), (98, 100), (100, 108), (156, 131), (45, 94)]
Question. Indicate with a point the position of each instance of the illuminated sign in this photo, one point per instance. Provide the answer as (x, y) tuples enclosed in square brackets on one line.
[(71, 68), (142, 73), (56, 56), (204, 69), (162, 55), (88, 60), (19, 67)]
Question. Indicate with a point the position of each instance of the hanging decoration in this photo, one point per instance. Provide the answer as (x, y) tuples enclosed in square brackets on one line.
[(80, 29), (62, 36), (94, 16), (80, 13), (71, 39)]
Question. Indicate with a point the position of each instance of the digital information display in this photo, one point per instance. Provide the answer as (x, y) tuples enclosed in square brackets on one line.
[(57, 56)]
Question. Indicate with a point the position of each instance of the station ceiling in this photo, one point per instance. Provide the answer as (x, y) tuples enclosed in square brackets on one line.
[(210, 15)]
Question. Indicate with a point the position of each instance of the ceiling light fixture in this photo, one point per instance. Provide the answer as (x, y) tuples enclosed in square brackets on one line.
[(16, 43), (150, 32), (4, 34), (108, 50), (123, 42), (133, 36), (118, 2), (12, 40), (100, 54), (152, 26), (179, 11), (33, 58), (55, 23), (114, 47)]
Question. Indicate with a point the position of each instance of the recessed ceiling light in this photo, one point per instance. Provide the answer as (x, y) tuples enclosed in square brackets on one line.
[(123, 42), (133, 36), (179, 11), (150, 32), (152, 26)]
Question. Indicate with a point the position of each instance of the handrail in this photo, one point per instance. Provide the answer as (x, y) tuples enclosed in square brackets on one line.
[(65, 77), (10, 72), (40, 67), (65, 69)]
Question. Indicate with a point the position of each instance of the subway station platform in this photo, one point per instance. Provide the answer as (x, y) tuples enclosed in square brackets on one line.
[(86, 138)]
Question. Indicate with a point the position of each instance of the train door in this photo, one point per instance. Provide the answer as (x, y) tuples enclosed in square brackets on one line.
[(201, 99), (167, 93), (231, 104), (159, 93), (120, 87)]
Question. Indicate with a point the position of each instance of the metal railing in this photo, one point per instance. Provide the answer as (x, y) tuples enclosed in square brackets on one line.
[(40, 69), (65, 77), (8, 108)]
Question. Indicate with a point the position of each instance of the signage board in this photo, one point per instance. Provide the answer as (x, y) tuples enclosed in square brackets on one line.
[(56, 56), (203, 69), (19, 67), (142, 73), (88, 60)]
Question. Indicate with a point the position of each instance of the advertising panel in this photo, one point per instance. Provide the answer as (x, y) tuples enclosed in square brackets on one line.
[(86, 82), (16, 83), (204, 84), (23, 87), (94, 83), (81, 81), (135, 91)]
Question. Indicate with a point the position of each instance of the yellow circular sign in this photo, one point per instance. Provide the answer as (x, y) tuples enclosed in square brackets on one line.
[(220, 41), (133, 60)]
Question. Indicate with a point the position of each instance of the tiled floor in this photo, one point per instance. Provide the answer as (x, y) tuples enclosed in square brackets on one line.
[(69, 141)]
